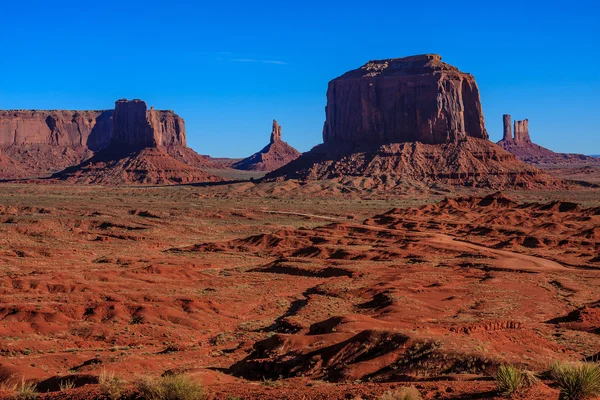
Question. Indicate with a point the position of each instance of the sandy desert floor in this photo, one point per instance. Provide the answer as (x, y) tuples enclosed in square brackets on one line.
[(262, 293)]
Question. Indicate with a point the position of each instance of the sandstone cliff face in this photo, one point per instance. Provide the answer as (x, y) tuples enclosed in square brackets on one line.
[(139, 151), (91, 129), (418, 98), (136, 126), (43, 142)]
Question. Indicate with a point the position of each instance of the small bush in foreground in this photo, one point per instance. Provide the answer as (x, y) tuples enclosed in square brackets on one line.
[(26, 391), (577, 381), (404, 393), (511, 379), (111, 386), (171, 387)]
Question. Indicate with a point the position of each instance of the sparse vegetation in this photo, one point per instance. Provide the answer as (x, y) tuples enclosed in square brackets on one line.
[(404, 393), (66, 385), (111, 385), (511, 379), (576, 381), (171, 387), (26, 390)]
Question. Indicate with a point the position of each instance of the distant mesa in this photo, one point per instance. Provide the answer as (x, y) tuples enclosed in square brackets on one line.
[(137, 153), (409, 120), (46, 141), (275, 155), (525, 150)]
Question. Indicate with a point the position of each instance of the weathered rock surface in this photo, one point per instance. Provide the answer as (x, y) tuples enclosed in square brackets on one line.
[(137, 153), (147, 166), (507, 128), (418, 98), (275, 155), (90, 129), (44, 142), (525, 150), (10, 168), (136, 126), (522, 131), (469, 162)]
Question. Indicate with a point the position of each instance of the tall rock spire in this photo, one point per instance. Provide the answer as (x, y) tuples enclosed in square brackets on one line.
[(275, 132), (507, 128)]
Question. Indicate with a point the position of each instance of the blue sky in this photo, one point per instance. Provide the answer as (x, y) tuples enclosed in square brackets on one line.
[(230, 67)]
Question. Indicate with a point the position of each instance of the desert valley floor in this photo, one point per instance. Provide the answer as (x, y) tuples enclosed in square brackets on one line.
[(293, 295)]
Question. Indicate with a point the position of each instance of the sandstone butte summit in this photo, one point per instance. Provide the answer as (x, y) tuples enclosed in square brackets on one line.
[(409, 119), (138, 151)]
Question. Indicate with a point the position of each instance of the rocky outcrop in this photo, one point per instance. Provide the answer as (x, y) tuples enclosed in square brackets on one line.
[(136, 126), (408, 122), (275, 155), (146, 166), (90, 129), (507, 128), (525, 150), (522, 132), (418, 98), (275, 132), (43, 142), (138, 152), (469, 162)]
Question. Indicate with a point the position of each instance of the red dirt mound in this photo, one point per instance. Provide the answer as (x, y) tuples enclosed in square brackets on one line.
[(149, 166), (10, 168)]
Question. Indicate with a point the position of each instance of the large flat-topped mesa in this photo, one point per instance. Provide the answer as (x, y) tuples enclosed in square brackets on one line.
[(55, 128), (418, 98)]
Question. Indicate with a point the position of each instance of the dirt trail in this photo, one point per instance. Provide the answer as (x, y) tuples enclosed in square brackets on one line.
[(500, 258), (504, 258)]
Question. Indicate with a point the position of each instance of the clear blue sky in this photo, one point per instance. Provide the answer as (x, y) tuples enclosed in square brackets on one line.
[(230, 67)]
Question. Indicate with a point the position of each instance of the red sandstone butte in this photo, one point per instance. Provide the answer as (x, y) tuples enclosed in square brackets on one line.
[(418, 98), (409, 121)]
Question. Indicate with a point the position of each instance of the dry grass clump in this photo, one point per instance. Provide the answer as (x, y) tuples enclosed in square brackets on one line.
[(111, 386), (23, 391), (171, 387), (404, 393), (577, 381)]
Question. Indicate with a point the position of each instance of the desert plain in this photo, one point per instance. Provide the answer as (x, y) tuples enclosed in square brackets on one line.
[(294, 295)]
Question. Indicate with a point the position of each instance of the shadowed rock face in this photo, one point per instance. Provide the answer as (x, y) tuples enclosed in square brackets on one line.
[(92, 129), (418, 98), (43, 142), (136, 126)]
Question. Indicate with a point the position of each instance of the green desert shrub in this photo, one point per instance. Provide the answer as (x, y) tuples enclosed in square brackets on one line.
[(404, 393), (171, 387), (510, 379), (577, 381)]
